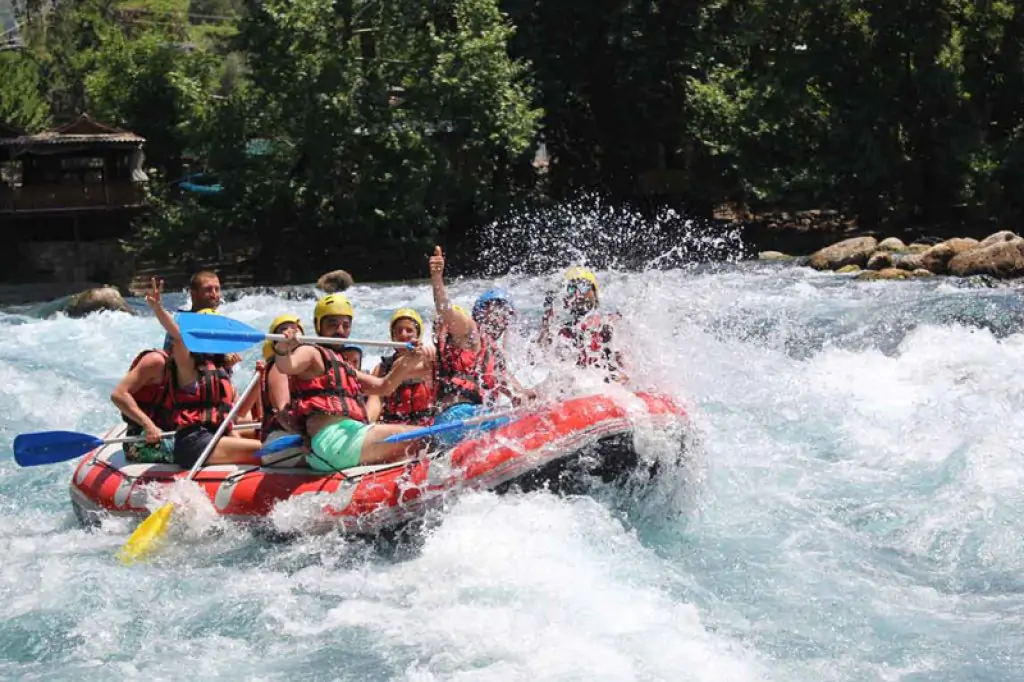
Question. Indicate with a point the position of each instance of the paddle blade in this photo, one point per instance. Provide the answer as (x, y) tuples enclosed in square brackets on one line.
[(48, 447), (282, 443), (216, 334), (148, 535), (428, 431)]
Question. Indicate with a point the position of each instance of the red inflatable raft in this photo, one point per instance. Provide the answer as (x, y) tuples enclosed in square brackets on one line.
[(590, 435)]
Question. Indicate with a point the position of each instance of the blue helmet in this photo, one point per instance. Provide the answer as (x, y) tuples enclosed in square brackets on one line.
[(492, 296)]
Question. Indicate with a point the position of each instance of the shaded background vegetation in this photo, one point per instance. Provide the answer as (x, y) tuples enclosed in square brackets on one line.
[(368, 130)]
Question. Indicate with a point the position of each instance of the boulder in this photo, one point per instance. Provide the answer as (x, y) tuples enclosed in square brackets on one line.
[(880, 260), (909, 261), (334, 281), (94, 300), (776, 256), (921, 272), (999, 259), (885, 273), (917, 249), (997, 237), (848, 269), (936, 258), (891, 244), (853, 251)]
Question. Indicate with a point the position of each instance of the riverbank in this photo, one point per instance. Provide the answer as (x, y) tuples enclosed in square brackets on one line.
[(796, 234)]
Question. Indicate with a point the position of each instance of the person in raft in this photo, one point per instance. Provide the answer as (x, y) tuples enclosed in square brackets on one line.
[(578, 330), (493, 312), (143, 398), (275, 395), (328, 396), (274, 390), (413, 401), (353, 355), (143, 394), (468, 376), (201, 396)]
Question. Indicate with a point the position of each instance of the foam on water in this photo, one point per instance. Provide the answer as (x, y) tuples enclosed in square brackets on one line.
[(856, 513)]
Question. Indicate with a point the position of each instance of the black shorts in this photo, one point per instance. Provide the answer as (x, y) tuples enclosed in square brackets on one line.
[(189, 443)]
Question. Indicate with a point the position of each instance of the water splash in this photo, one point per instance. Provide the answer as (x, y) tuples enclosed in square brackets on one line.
[(591, 231)]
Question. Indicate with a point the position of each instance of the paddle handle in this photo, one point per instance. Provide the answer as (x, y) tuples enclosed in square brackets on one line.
[(334, 341), (253, 383), (170, 434)]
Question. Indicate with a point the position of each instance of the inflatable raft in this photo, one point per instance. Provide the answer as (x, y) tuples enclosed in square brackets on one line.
[(581, 438)]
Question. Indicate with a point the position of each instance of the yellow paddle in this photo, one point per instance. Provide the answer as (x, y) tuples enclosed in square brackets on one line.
[(151, 531)]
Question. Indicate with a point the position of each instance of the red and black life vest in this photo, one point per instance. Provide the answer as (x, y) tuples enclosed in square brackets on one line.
[(336, 391), (208, 405), (591, 337), (411, 403), (154, 399), (463, 373)]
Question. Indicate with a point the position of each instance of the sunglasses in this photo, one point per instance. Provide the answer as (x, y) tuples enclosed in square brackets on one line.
[(579, 287)]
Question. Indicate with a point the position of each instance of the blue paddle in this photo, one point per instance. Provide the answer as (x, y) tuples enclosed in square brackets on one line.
[(484, 422), (279, 444), (50, 447), (219, 335)]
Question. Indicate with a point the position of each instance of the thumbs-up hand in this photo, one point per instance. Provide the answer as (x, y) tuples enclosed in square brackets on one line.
[(437, 263)]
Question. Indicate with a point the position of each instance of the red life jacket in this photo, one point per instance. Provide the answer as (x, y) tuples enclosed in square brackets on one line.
[(154, 399), (411, 403), (591, 337), (336, 391), (464, 373), (210, 404)]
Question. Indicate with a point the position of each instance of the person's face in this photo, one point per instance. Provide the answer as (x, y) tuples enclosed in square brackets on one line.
[(496, 318), (206, 294), (404, 330), (353, 357), (337, 326), (280, 329), (580, 295)]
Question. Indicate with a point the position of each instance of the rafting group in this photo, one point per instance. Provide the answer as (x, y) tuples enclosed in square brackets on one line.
[(346, 416)]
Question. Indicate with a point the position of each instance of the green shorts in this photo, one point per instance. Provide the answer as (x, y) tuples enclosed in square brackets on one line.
[(161, 453), (337, 446)]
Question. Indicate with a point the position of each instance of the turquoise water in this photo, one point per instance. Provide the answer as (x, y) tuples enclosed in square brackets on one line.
[(858, 512)]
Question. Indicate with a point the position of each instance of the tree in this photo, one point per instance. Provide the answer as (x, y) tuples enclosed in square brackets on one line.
[(21, 93)]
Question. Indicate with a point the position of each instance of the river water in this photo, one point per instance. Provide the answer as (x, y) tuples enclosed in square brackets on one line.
[(857, 516)]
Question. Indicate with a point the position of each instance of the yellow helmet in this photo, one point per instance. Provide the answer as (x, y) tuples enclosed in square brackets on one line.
[(335, 304), (459, 309), (268, 345), (577, 272), (408, 314)]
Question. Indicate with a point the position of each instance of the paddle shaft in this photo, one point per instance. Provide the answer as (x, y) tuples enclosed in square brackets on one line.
[(480, 419), (208, 450), (170, 434), (334, 341)]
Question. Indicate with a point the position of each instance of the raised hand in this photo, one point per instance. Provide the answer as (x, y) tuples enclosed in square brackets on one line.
[(437, 263), (154, 297)]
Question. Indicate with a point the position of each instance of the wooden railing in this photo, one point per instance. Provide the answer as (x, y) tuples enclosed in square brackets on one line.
[(71, 197)]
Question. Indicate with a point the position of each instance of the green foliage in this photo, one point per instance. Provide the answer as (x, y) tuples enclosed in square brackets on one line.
[(151, 86), (373, 128), (21, 96)]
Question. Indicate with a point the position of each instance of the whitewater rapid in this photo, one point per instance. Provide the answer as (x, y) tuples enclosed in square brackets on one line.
[(858, 517)]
